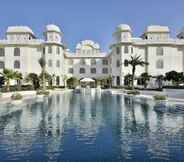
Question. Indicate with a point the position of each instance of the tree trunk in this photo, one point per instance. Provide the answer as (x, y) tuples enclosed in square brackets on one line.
[(133, 73), (44, 83), (8, 85)]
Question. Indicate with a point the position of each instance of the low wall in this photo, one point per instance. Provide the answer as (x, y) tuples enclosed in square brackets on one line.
[(176, 93)]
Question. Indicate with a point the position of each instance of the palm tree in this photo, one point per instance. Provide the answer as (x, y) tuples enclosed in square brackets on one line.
[(47, 77), (34, 79), (18, 77), (42, 63), (7, 74), (134, 62)]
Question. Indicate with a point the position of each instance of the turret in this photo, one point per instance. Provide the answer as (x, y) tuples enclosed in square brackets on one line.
[(19, 33), (53, 33), (156, 32), (123, 33)]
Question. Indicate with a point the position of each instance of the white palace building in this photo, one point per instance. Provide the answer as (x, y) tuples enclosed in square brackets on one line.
[(21, 50)]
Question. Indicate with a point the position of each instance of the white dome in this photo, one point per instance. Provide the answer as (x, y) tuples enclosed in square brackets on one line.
[(19, 29), (157, 28), (88, 43), (52, 28), (123, 27)]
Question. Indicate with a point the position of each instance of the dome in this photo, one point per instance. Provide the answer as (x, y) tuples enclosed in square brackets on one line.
[(19, 29), (123, 27), (88, 43), (52, 28), (157, 29)]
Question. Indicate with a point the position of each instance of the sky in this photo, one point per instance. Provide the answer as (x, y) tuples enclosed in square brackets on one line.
[(91, 19)]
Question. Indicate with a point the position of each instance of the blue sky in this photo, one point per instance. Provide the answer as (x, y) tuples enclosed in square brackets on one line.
[(91, 19)]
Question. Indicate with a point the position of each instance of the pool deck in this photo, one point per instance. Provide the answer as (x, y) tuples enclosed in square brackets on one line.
[(149, 94), (173, 97), (6, 97)]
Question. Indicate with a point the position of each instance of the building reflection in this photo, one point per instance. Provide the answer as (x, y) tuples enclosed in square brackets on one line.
[(127, 122)]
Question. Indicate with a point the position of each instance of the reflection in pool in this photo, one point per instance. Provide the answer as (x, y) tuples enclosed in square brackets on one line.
[(95, 127)]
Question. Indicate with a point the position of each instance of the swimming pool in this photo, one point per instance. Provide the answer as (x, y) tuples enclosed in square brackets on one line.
[(92, 127)]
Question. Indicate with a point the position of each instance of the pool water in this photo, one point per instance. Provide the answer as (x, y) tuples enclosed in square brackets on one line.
[(92, 127)]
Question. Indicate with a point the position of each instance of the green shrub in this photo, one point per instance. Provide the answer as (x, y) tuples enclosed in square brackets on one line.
[(159, 97), (41, 92), (16, 96), (133, 92), (51, 87)]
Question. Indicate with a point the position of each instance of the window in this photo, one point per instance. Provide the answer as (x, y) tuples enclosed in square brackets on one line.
[(57, 80), (160, 64), (2, 65), (58, 50), (93, 62), (50, 63), (160, 51), (117, 63), (117, 50), (17, 64), (82, 62), (105, 70), (82, 71), (43, 50), (126, 49), (93, 70), (132, 50), (16, 51), (105, 62), (126, 63), (2, 52), (49, 49), (39, 49), (70, 62), (70, 70), (57, 63)]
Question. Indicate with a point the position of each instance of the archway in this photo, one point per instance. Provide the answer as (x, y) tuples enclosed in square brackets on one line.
[(84, 82)]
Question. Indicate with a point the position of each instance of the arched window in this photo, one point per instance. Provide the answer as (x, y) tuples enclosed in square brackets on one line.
[(57, 80), (2, 65), (126, 49), (117, 63), (57, 63), (132, 50), (70, 62), (17, 64), (159, 64), (117, 50), (93, 70), (93, 61), (105, 70), (49, 49), (16, 51), (50, 63), (105, 62), (82, 71), (70, 70), (2, 52), (160, 51), (126, 63), (43, 50), (58, 50), (82, 62)]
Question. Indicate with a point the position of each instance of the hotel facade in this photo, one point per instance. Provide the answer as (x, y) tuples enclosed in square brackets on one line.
[(21, 50)]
